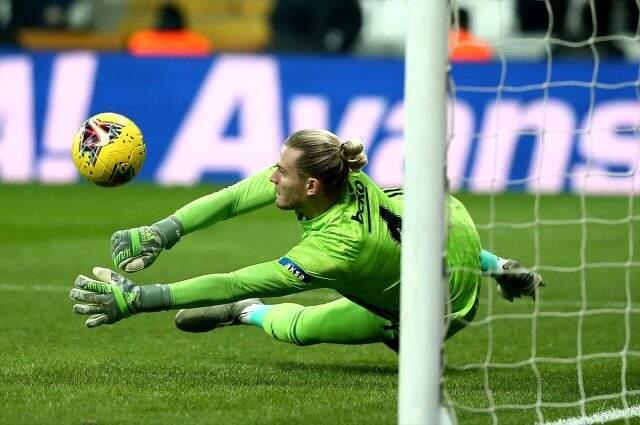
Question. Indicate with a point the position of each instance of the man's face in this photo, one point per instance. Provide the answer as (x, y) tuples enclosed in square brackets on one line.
[(291, 187)]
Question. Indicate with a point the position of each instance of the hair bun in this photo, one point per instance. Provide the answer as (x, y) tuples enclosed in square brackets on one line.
[(352, 151)]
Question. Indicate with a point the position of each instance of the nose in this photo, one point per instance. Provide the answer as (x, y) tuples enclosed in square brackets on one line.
[(274, 177)]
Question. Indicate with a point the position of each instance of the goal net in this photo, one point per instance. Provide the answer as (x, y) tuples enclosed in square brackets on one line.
[(544, 150)]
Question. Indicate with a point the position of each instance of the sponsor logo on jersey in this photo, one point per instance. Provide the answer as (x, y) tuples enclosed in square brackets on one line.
[(362, 196), (297, 271)]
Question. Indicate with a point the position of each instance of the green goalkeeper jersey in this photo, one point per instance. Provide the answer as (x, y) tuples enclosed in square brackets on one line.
[(353, 248)]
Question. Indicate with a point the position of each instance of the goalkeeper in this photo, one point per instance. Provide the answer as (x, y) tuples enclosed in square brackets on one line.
[(350, 243)]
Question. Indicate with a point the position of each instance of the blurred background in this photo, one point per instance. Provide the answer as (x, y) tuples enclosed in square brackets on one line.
[(367, 27), (219, 78)]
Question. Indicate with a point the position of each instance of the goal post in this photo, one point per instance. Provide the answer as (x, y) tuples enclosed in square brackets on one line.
[(422, 293), (554, 119)]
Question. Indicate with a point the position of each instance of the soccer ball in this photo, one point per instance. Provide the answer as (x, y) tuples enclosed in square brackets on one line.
[(109, 149)]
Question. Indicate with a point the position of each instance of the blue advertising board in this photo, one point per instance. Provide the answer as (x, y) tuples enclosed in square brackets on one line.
[(563, 126)]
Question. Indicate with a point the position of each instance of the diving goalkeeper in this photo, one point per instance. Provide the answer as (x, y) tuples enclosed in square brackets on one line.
[(350, 243)]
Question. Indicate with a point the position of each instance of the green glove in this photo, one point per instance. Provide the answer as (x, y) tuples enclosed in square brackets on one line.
[(135, 249), (113, 297)]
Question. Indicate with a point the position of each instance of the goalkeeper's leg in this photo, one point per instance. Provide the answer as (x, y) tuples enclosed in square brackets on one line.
[(339, 322), (459, 323), (343, 322)]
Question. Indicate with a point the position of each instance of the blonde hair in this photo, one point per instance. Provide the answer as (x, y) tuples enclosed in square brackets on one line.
[(326, 157)]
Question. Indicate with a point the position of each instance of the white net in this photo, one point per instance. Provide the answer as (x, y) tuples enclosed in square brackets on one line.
[(544, 151)]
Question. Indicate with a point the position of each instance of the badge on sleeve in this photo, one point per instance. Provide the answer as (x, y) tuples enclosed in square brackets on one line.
[(297, 271)]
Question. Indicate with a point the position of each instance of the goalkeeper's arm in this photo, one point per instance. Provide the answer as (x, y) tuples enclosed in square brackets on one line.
[(135, 249), (113, 297)]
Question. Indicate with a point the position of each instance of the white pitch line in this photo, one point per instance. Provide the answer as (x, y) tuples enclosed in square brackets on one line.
[(326, 297), (23, 287), (578, 304), (12, 287), (600, 418)]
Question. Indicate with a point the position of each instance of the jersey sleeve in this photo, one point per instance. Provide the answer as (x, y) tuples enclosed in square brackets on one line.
[(245, 196), (260, 280), (301, 269), (312, 262)]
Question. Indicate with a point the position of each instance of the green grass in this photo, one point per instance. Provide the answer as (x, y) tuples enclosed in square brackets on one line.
[(144, 371)]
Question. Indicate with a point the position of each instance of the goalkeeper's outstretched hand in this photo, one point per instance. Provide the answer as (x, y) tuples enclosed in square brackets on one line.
[(107, 300), (135, 249)]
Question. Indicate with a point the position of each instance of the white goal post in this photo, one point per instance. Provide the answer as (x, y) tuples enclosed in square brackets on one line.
[(422, 292), (555, 117)]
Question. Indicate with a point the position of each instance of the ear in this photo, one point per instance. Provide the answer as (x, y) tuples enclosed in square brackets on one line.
[(313, 186)]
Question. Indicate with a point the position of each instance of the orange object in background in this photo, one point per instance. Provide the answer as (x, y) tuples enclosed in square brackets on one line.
[(169, 43), (465, 47), (169, 37)]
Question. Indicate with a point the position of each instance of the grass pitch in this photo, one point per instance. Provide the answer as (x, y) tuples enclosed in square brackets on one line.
[(515, 364)]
